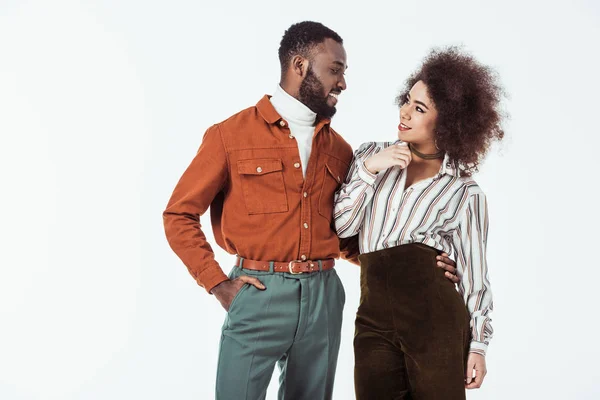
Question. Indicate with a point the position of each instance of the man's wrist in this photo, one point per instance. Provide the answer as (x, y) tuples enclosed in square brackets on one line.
[(218, 287)]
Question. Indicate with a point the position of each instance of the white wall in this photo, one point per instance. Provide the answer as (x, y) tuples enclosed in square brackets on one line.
[(104, 103)]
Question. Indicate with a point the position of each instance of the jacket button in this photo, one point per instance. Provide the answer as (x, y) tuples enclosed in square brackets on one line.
[(296, 165), (282, 123), (259, 169)]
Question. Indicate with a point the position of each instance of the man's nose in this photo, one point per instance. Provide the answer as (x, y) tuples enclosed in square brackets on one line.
[(342, 83)]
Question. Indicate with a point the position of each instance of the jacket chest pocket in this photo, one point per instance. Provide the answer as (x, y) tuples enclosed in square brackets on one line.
[(263, 185), (332, 180)]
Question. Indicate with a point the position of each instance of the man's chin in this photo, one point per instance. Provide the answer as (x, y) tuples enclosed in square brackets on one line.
[(327, 112)]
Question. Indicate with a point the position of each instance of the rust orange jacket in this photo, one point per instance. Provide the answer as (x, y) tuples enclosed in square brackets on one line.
[(247, 170)]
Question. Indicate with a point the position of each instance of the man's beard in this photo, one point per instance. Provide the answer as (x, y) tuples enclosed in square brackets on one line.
[(311, 95)]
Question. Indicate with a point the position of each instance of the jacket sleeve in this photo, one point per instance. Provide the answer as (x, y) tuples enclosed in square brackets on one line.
[(201, 182)]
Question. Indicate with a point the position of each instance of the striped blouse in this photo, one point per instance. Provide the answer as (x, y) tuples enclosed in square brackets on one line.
[(447, 212)]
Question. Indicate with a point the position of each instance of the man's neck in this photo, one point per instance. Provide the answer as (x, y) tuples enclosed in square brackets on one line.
[(291, 109)]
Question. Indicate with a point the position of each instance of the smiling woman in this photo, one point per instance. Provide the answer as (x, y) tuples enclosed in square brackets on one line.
[(410, 201), (457, 100)]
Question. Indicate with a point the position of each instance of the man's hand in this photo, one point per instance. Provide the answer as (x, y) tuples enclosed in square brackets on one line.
[(396, 155), (227, 290), (475, 367), (450, 267)]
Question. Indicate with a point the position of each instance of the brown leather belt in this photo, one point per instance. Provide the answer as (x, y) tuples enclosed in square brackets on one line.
[(293, 267)]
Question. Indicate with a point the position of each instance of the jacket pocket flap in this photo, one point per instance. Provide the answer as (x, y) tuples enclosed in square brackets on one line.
[(259, 166), (334, 175)]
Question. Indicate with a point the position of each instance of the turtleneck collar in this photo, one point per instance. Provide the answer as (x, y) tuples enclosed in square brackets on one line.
[(291, 109)]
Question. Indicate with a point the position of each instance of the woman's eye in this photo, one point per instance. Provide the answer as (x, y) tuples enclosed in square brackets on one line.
[(419, 109)]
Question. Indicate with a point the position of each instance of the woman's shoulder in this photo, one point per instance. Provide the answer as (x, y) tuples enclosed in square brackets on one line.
[(471, 186)]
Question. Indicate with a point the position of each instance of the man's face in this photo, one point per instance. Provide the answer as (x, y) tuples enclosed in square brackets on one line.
[(324, 79)]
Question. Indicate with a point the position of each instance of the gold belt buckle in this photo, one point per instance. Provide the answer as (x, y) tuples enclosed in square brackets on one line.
[(290, 267)]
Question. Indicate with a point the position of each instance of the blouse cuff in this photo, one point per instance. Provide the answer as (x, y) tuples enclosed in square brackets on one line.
[(364, 174), (478, 347)]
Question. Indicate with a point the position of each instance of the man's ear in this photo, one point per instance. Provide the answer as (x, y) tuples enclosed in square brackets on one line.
[(300, 66)]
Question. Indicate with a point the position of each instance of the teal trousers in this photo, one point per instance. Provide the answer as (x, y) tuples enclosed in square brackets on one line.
[(295, 323)]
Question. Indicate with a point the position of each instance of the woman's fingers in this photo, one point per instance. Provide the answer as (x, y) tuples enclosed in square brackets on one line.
[(469, 371), (403, 160), (476, 371)]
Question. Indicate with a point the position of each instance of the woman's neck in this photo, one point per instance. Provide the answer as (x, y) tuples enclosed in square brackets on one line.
[(425, 152)]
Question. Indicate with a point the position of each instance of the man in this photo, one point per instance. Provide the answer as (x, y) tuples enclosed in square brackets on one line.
[(269, 174)]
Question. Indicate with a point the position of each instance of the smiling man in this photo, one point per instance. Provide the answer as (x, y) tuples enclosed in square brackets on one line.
[(269, 174)]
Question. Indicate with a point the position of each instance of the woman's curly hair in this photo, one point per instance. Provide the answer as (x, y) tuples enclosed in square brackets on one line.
[(467, 97)]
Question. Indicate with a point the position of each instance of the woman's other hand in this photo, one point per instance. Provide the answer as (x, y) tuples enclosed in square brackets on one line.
[(476, 371)]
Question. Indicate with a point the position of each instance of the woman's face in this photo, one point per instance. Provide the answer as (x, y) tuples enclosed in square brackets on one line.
[(418, 117)]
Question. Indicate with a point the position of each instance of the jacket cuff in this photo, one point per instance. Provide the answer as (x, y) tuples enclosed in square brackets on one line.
[(211, 277)]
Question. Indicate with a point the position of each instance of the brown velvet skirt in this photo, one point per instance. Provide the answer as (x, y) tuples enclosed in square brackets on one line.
[(412, 328)]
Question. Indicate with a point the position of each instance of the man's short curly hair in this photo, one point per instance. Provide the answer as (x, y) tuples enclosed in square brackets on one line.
[(467, 97), (301, 37)]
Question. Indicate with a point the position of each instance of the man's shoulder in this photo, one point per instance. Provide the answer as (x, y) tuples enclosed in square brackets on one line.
[(240, 118), (241, 127), (341, 145)]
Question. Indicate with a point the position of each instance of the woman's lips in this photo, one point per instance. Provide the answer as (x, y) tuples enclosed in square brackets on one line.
[(403, 127)]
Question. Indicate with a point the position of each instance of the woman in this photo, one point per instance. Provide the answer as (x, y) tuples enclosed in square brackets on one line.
[(409, 200)]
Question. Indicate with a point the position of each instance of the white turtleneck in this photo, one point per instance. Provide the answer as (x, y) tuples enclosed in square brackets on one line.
[(300, 119)]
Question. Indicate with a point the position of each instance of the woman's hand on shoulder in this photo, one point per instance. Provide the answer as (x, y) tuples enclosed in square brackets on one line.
[(395, 155)]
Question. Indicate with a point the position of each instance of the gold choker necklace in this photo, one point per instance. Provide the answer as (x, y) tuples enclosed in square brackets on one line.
[(439, 154)]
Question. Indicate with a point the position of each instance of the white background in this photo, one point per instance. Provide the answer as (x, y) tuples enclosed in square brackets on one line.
[(104, 103)]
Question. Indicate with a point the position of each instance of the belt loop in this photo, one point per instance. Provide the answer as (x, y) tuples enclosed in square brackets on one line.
[(271, 267), (320, 265), (241, 262)]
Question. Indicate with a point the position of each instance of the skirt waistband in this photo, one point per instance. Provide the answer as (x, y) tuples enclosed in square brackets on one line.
[(406, 254)]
